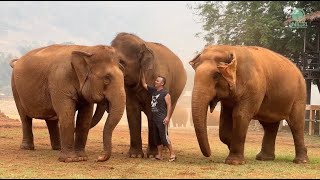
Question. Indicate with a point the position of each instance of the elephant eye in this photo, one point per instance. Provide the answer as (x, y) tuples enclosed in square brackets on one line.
[(121, 61), (216, 75), (122, 64), (195, 65), (107, 79)]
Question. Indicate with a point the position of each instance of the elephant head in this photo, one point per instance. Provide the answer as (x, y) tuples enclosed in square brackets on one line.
[(101, 81), (135, 56), (215, 80)]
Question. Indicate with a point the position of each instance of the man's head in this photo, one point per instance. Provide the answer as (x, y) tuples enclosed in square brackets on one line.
[(160, 81)]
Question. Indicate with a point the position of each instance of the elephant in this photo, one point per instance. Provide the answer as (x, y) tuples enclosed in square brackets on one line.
[(250, 82), (180, 117), (54, 82), (152, 59)]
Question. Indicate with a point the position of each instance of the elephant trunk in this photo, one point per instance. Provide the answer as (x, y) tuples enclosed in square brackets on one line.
[(116, 109), (200, 103)]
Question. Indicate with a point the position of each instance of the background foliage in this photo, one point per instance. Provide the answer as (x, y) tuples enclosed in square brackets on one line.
[(256, 23)]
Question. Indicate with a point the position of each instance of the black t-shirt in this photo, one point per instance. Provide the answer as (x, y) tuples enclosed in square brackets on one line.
[(158, 104)]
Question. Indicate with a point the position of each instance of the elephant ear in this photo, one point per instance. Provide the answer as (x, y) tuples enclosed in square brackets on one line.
[(146, 58), (228, 71), (195, 61), (79, 63)]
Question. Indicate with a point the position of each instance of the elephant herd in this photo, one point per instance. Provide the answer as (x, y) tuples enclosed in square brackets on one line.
[(55, 82), (180, 117)]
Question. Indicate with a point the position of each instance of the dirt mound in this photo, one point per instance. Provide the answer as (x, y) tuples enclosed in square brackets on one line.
[(4, 117)]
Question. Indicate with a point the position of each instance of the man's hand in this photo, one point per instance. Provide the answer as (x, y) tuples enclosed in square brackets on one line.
[(166, 121), (167, 98), (143, 81)]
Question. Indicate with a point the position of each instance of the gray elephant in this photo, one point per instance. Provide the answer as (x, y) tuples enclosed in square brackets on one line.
[(251, 83), (54, 82), (153, 59)]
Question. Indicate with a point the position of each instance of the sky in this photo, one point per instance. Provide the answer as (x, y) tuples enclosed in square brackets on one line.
[(170, 23), (90, 23)]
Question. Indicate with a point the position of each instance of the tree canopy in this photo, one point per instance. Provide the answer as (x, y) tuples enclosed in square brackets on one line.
[(256, 23)]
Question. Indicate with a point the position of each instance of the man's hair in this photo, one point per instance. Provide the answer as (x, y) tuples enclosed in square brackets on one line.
[(163, 79)]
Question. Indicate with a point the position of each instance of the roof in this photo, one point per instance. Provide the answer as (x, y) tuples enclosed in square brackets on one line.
[(312, 17)]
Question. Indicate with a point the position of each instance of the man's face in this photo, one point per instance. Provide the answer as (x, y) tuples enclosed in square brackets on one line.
[(158, 82)]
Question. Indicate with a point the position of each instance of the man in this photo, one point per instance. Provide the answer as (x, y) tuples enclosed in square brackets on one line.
[(161, 114)]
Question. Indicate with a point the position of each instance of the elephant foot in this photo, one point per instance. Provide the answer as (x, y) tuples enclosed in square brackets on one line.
[(234, 161), (70, 157), (135, 153), (27, 146), (301, 160), (56, 147), (152, 152), (265, 157), (103, 157), (82, 155)]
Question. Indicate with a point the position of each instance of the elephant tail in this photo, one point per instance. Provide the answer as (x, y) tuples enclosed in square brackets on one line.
[(12, 62)]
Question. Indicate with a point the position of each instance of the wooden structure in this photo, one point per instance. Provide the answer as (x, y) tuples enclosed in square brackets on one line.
[(309, 61), (312, 125), (309, 64)]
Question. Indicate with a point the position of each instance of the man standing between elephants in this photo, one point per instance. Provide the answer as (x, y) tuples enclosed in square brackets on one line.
[(161, 114)]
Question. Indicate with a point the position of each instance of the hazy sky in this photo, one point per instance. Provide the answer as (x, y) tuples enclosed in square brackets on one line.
[(90, 23)]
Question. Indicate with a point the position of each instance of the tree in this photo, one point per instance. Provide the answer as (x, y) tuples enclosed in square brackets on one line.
[(5, 73), (258, 23)]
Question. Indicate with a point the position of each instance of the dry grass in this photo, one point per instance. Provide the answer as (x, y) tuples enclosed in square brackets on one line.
[(43, 163)]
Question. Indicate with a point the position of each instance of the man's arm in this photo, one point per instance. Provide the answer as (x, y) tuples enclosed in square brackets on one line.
[(143, 81), (167, 98)]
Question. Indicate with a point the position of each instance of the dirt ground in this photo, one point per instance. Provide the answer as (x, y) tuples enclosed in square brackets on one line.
[(42, 162)]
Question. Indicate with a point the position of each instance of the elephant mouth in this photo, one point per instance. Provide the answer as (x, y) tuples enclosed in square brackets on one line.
[(129, 83), (125, 79), (213, 103), (105, 104)]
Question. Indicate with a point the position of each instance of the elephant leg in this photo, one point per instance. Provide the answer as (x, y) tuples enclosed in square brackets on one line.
[(296, 124), (27, 140), (134, 121), (225, 126), (83, 123), (241, 117), (65, 109), (53, 127), (268, 142)]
